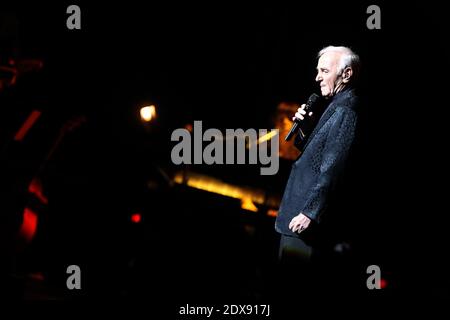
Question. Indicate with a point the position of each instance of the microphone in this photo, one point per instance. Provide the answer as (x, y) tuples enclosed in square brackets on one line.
[(311, 101)]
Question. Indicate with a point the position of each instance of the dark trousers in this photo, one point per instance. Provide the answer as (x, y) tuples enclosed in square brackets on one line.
[(296, 274), (313, 274), (294, 250)]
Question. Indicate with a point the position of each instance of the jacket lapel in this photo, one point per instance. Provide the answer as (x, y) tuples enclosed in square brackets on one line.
[(326, 115)]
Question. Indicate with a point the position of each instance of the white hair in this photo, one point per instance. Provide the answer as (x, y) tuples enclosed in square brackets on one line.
[(348, 59)]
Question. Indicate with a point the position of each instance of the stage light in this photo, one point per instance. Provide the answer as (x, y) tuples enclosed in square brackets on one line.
[(272, 213), (249, 196), (136, 217), (35, 188), (247, 204), (26, 126), (264, 138), (29, 225), (148, 113)]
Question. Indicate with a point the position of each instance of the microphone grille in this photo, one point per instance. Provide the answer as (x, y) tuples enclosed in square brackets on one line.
[(313, 98)]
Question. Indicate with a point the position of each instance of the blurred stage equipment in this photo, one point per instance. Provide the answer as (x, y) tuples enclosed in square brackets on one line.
[(10, 72), (35, 189), (249, 196)]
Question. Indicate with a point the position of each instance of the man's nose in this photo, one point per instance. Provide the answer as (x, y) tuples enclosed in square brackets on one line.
[(318, 78)]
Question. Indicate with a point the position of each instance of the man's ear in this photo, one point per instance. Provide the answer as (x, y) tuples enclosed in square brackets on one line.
[(347, 74)]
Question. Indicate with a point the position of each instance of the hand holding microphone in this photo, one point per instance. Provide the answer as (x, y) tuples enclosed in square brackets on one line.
[(300, 115)]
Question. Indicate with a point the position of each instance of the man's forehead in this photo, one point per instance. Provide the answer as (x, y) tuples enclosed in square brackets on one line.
[(328, 59)]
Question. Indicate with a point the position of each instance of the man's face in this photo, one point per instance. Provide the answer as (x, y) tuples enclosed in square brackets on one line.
[(330, 82)]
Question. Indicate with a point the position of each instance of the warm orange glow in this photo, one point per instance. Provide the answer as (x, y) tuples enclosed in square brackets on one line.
[(148, 113), (29, 224), (136, 217), (272, 213), (217, 186), (247, 204), (249, 196), (189, 127), (283, 122), (265, 137)]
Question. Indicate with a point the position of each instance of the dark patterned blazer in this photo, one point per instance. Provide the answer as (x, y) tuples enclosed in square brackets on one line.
[(315, 173)]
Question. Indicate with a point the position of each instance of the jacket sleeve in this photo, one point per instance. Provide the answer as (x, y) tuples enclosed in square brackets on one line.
[(329, 167)]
